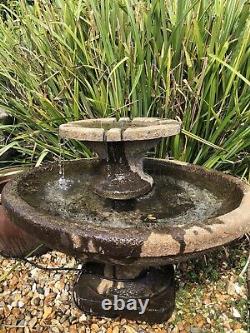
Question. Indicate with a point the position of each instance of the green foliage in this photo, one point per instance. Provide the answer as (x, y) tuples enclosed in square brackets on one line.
[(94, 58)]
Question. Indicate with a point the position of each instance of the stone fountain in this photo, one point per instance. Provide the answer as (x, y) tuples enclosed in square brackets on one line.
[(126, 218)]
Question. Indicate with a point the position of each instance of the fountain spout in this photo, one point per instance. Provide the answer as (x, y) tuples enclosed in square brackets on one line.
[(121, 145)]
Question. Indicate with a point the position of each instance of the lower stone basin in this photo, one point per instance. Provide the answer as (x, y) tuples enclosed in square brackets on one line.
[(190, 210)]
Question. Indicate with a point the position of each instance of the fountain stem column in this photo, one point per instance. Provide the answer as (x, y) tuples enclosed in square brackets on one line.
[(121, 174)]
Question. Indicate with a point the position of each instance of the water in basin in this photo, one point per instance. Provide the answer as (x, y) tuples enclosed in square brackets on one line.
[(173, 201)]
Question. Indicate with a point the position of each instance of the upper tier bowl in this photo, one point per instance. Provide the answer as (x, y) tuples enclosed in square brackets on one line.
[(121, 145)]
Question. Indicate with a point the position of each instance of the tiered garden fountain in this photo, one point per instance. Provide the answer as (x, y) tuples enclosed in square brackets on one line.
[(128, 219)]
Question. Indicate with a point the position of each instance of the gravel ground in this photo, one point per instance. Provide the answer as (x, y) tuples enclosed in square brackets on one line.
[(212, 297)]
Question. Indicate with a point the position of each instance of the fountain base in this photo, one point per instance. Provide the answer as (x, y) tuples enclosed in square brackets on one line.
[(118, 291)]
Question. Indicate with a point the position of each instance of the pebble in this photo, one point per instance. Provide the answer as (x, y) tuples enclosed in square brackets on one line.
[(235, 313), (73, 329), (40, 290), (116, 329), (36, 301), (32, 322), (82, 318), (47, 312), (20, 304), (63, 319), (123, 321), (72, 319), (94, 327), (129, 329), (46, 292), (22, 323), (196, 330)]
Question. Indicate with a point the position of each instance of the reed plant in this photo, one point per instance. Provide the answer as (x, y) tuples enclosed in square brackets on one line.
[(66, 60)]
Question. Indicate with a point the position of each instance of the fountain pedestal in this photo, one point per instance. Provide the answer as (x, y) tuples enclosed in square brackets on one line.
[(114, 291)]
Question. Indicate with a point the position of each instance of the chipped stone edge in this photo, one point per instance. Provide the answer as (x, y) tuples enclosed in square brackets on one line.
[(84, 134), (144, 129)]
